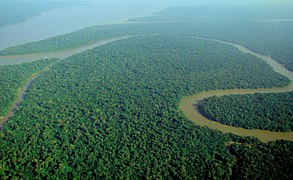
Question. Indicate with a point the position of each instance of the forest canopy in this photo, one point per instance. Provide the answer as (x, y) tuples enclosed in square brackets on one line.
[(13, 78), (272, 111), (113, 112), (262, 29)]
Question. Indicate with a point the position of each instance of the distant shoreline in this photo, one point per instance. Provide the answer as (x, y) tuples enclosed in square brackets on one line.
[(51, 23)]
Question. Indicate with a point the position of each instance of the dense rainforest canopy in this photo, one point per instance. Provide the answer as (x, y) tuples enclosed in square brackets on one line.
[(261, 33), (271, 111), (113, 111), (13, 77)]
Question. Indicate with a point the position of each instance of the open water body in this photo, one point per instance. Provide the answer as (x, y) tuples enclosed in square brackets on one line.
[(66, 20), (189, 104), (61, 21)]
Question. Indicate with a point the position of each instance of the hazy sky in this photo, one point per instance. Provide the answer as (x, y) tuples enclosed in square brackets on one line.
[(238, 2), (167, 3), (204, 2), (189, 2)]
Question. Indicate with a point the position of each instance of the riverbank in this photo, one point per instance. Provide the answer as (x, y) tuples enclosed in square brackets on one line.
[(189, 104), (18, 59), (20, 97), (33, 57)]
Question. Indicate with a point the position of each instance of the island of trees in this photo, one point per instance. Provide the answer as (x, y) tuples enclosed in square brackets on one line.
[(272, 111), (113, 111)]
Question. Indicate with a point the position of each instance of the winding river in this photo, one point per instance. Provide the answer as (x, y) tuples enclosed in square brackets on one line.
[(33, 57), (188, 104), (20, 97), (18, 59)]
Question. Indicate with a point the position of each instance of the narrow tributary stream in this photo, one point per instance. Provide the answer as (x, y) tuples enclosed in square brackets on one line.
[(188, 104), (32, 57)]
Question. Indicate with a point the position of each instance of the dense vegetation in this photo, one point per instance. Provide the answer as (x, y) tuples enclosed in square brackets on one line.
[(269, 161), (112, 112), (271, 111), (273, 38), (13, 77), (264, 29), (12, 12), (239, 25)]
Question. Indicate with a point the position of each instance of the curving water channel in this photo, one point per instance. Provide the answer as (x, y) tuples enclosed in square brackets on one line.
[(20, 96), (17, 59), (33, 57), (189, 104)]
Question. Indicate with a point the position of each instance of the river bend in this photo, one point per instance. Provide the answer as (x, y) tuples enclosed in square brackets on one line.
[(189, 104)]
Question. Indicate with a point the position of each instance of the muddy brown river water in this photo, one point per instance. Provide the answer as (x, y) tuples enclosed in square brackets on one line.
[(189, 104)]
